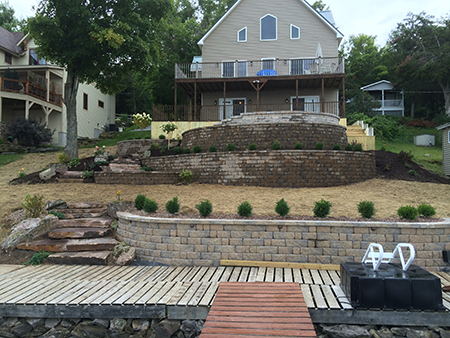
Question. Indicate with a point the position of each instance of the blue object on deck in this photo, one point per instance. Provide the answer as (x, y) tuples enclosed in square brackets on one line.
[(267, 72)]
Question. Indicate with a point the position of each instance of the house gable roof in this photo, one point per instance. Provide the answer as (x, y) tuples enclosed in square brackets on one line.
[(10, 42), (444, 126), (339, 35), (383, 84)]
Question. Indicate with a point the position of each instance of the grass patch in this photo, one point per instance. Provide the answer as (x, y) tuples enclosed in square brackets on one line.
[(6, 159), (128, 134)]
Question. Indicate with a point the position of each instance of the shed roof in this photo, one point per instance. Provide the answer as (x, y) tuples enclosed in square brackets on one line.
[(444, 126)]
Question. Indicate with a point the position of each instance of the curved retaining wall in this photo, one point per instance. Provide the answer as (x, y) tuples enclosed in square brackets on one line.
[(282, 168), (206, 241)]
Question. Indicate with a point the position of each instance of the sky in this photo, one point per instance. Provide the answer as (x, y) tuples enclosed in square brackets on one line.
[(353, 17)]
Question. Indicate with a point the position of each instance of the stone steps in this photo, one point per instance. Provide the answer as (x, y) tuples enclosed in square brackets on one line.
[(92, 222), (84, 210), (79, 233), (70, 245), (81, 258), (85, 215)]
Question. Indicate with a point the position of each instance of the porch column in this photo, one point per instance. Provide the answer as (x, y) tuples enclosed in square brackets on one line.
[(47, 79), (257, 96), (343, 97), (322, 101), (195, 99), (27, 109), (296, 96), (175, 103), (224, 99), (382, 101)]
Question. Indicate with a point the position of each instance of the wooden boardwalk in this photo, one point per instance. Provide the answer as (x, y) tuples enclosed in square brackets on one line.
[(258, 310), (175, 292)]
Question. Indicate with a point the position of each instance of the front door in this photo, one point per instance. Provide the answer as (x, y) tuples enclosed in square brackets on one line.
[(233, 107)]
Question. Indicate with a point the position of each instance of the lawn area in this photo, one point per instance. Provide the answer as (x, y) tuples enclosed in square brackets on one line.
[(127, 134), (5, 159)]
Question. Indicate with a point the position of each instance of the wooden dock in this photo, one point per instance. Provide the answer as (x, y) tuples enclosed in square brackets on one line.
[(72, 291)]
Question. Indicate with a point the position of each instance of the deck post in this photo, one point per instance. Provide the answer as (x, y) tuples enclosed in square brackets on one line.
[(296, 96), (224, 99), (175, 104), (322, 100), (343, 97), (195, 99)]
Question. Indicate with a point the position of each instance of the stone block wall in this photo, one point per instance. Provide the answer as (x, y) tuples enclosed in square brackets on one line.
[(264, 134), (285, 168), (136, 177), (204, 242), (128, 147)]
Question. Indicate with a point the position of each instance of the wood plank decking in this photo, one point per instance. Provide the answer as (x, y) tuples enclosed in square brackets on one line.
[(175, 292), (258, 309)]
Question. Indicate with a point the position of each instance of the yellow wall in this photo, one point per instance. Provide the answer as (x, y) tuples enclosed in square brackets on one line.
[(182, 127)]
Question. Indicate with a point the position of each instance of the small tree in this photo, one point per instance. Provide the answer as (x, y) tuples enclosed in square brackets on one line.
[(168, 128), (142, 120)]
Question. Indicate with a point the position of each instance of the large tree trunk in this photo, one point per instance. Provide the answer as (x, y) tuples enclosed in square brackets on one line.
[(446, 90), (70, 100)]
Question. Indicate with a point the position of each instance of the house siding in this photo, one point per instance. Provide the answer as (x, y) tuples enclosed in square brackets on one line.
[(222, 44)]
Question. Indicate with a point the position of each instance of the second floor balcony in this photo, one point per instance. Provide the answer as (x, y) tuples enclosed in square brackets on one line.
[(260, 68)]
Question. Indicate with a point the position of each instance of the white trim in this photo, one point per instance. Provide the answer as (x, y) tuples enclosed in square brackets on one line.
[(290, 32), (260, 27), (245, 34), (230, 99), (448, 139)]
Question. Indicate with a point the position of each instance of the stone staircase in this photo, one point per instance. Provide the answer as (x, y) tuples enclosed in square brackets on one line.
[(84, 236)]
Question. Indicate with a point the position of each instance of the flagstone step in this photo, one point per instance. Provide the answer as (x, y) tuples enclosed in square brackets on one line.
[(63, 245), (85, 205), (79, 233), (85, 222), (84, 210), (81, 258), (84, 215)]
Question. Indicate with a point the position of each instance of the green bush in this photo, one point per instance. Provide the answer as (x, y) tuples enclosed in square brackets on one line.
[(245, 209), (319, 146), (252, 146), (162, 137), (38, 258), (413, 173), (177, 150), (358, 147), (298, 145), (405, 156), (186, 176), (348, 147), (385, 127), (33, 206), (197, 149), (366, 209), (322, 208), (282, 208), (204, 208), (231, 147), (139, 202), (187, 151), (426, 210), (212, 149), (150, 205), (88, 174), (60, 215), (154, 146), (172, 206), (337, 147), (62, 158), (75, 162), (408, 212), (145, 168), (276, 145)]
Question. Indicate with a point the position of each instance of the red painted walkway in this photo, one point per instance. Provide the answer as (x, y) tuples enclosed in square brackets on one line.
[(257, 310)]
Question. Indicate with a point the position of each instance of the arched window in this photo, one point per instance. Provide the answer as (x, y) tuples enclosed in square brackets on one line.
[(242, 35), (268, 27)]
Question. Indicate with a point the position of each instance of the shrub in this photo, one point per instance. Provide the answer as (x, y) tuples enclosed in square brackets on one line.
[(177, 150), (413, 173), (139, 202), (154, 146), (298, 145), (358, 147), (33, 206), (212, 149), (252, 146), (337, 147), (404, 156), (62, 158), (30, 132), (366, 209), (88, 174), (172, 206), (197, 149), (348, 147), (187, 151), (322, 208), (145, 168), (231, 147), (204, 208), (38, 258), (60, 215), (150, 205), (186, 176), (385, 127), (276, 145), (282, 208), (319, 146), (383, 147), (75, 162), (408, 212), (426, 210), (162, 137), (245, 209)]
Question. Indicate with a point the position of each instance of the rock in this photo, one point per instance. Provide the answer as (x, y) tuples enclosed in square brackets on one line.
[(346, 331), (374, 333), (47, 174), (191, 328), (127, 257), (444, 333), (37, 332), (420, 333), (140, 325), (118, 324), (385, 333), (21, 329), (4, 333), (57, 204), (86, 329), (101, 322), (166, 328), (28, 229), (50, 323), (12, 321), (426, 155), (102, 157), (114, 207), (60, 168), (35, 322), (399, 331), (146, 154)]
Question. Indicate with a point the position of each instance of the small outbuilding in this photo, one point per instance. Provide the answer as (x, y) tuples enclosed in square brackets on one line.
[(425, 140), (445, 147)]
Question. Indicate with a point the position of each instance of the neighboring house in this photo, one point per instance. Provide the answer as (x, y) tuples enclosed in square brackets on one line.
[(31, 87), (445, 147), (391, 100), (262, 55)]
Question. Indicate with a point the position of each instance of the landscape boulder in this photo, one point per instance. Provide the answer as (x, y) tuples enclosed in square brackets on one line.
[(57, 204), (47, 174)]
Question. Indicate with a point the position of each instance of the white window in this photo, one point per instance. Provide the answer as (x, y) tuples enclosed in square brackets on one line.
[(268, 28), (295, 32), (242, 35)]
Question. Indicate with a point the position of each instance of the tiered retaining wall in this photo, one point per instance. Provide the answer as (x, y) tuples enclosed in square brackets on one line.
[(136, 177), (205, 242), (285, 168)]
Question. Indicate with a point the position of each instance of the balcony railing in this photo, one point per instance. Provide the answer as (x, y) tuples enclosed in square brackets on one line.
[(216, 112), (36, 86), (391, 103), (258, 68)]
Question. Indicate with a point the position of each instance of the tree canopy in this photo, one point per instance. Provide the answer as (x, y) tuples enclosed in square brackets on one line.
[(8, 19)]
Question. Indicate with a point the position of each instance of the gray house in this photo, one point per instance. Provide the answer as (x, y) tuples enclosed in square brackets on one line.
[(445, 147), (391, 100), (263, 55)]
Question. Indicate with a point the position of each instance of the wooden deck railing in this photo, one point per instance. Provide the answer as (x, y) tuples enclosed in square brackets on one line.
[(258, 68), (216, 112), (34, 87)]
